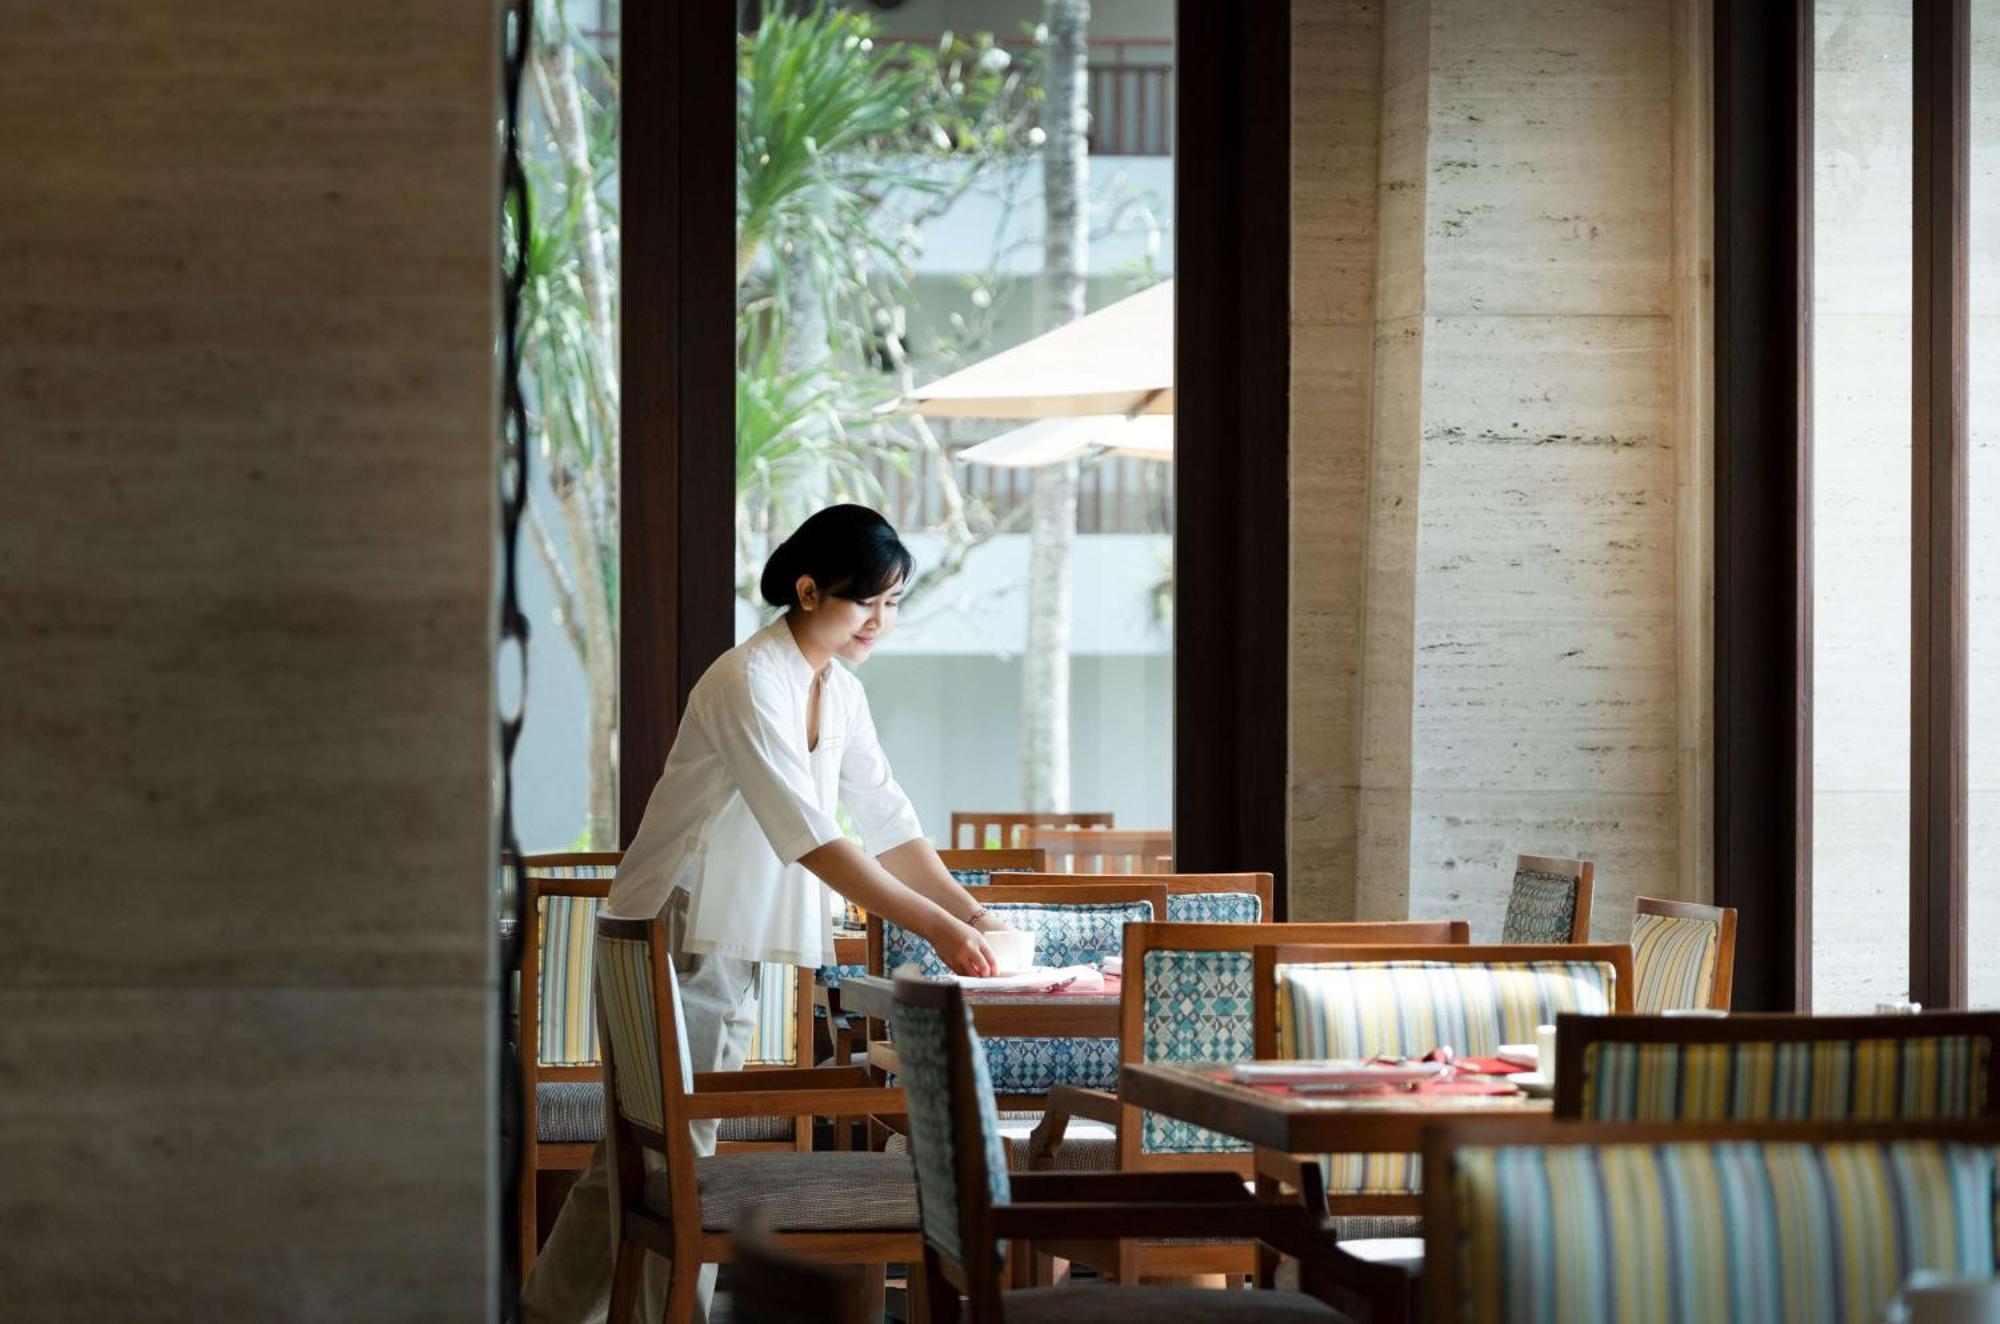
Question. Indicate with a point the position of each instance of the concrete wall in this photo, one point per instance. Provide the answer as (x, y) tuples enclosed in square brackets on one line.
[(1511, 584), (245, 568)]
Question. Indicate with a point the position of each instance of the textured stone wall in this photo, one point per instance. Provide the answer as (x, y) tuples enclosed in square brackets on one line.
[(1523, 595), (246, 404), (1337, 107)]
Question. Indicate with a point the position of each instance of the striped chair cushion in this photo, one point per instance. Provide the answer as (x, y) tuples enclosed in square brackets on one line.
[(1065, 935), (624, 983), (926, 1079), (1704, 1231), (1215, 908), (774, 1039), (1673, 962), (1540, 908), (566, 1022), (1825, 1080), (1409, 1008)]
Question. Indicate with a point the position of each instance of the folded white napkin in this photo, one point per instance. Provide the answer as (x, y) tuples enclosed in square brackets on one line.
[(1038, 979)]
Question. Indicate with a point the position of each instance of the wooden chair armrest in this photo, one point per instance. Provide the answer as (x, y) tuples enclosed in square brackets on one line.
[(797, 1103), (781, 1078), (1232, 1220), (1065, 1102), (1129, 1187), (883, 1057), (1300, 1173)]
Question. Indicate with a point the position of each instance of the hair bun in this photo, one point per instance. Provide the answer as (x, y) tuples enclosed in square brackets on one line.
[(779, 584)]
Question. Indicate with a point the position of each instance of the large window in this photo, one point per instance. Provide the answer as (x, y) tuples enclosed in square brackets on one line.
[(1861, 173), (953, 198), (1905, 508), (566, 768)]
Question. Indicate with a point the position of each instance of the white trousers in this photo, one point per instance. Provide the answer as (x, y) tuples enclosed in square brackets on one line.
[(571, 1280)]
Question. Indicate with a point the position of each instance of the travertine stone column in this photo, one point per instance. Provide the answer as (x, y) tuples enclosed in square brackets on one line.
[(246, 421)]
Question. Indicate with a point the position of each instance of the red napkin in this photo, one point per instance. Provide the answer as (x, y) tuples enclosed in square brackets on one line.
[(1491, 1066)]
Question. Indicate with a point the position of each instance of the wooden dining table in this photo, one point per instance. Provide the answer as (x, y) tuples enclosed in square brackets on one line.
[(1273, 1117)]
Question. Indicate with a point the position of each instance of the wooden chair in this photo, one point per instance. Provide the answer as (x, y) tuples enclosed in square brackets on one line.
[(562, 1085), (1937, 1065), (974, 831), (773, 1286), (562, 1091), (1840, 1212), (1683, 955), (968, 865), (1103, 850), (973, 1202), (1496, 994), (1170, 968), (837, 1208), (1549, 900)]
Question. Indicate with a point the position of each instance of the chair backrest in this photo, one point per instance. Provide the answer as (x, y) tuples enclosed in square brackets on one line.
[(773, 1286), (648, 1072), (1321, 1001), (1683, 955), (971, 867), (988, 831), (569, 863), (1549, 900), (955, 1140), (558, 1005), (1186, 997), (1938, 1065), (1103, 850), (1192, 898), (1073, 924), (1751, 1222)]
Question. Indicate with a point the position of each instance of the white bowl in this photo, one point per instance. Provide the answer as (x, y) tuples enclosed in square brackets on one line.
[(1013, 951)]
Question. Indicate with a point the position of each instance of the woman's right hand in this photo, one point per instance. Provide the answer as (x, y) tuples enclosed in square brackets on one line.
[(960, 946)]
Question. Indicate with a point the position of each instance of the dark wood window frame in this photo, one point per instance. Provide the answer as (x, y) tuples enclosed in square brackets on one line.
[(1232, 558), (1763, 503)]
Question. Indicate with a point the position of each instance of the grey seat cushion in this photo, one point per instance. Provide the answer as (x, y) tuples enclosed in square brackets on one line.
[(801, 1192), (1087, 1146), (1160, 1305), (571, 1112), (1371, 1227)]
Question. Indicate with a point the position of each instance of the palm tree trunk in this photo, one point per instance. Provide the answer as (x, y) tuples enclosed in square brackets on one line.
[(1045, 672)]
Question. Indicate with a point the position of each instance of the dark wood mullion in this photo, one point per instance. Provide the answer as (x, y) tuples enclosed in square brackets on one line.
[(1942, 87), (676, 482), (1232, 369), (1763, 494)]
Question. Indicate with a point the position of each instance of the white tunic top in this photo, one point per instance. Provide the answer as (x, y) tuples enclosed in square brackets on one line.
[(742, 798)]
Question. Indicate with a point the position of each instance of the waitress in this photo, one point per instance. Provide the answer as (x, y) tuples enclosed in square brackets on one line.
[(739, 845)]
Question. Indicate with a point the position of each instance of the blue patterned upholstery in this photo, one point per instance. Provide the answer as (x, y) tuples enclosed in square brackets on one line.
[(1198, 1009), (1215, 908), (1065, 935), (923, 1046)]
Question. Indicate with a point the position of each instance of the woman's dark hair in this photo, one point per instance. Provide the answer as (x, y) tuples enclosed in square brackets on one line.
[(850, 551)]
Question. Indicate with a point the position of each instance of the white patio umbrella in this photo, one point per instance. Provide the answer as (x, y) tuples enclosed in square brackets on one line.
[(1116, 361), (1054, 440)]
